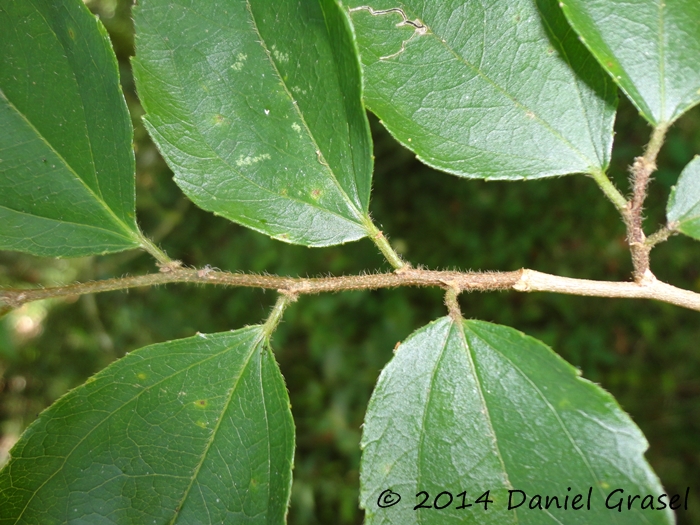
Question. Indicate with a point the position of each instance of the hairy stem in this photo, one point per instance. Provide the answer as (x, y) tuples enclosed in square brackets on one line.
[(276, 314), (641, 172), (660, 236), (452, 303), (610, 191), (382, 243), (520, 280), (158, 254)]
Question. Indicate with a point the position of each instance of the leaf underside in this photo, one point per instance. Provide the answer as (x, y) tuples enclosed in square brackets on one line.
[(651, 49), (683, 212), (185, 432), (502, 90), (256, 106), (471, 406), (66, 158)]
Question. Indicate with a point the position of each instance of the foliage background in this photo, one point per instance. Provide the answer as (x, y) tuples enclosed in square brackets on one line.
[(332, 347)]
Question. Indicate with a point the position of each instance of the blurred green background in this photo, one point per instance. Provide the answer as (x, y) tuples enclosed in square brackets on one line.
[(331, 348)]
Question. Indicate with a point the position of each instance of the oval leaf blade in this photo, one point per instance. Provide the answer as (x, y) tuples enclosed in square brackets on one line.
[(496, 90), (66, 157), (256, 106), (651, 49), (473, 407), (191, 431), (683, 211)]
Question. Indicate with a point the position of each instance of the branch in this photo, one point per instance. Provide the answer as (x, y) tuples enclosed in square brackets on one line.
[(647, 288), (631, 211), (521, 280), (641, 172)]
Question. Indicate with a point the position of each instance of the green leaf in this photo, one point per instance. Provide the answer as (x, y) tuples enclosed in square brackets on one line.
[(191, 431), (651, 49), (495, 90), (471, 406), (256, 106), (66, 160), (683, 211)]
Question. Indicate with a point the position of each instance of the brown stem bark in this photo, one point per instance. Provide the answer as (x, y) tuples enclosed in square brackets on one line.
[(520, 280)]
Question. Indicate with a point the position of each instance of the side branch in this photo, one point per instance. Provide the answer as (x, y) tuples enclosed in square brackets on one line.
[(522, 280), (641, 172)]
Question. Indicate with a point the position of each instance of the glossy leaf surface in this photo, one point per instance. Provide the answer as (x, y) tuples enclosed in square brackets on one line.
[(496, 90), (66, 159), (256, 106), (471, 406), (191, 431), (684, 203), (651, 49)]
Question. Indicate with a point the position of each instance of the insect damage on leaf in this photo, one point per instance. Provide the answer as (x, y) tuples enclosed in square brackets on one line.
[(419, 28)]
